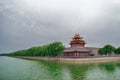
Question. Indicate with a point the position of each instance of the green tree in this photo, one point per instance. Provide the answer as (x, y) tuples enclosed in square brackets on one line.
[(57, 48), (108, 49), (101, 51), (117, 51), (52, 49)]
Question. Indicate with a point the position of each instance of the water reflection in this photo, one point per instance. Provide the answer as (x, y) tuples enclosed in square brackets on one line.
[(104, 71), (21, 69), (93, 71), (54, 69), (72, 71), (108, 67), (78, 71)]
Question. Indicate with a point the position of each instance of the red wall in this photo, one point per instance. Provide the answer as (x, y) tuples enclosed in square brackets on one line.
[(76, 54)]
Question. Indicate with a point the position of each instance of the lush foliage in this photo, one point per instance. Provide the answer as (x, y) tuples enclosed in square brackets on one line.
[(53, 49), (101, 51), (108, 50), (117, 51)]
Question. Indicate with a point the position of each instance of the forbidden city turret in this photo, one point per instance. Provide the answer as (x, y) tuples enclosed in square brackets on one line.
[(78, 48), (77, 40)]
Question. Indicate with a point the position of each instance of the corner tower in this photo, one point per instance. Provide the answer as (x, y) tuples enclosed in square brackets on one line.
[(77, 40)]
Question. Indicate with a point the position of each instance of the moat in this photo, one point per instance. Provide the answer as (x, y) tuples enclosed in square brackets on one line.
[(23, 69)]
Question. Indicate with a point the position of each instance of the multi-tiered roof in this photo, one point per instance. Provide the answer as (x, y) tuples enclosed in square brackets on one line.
[(77, 40)]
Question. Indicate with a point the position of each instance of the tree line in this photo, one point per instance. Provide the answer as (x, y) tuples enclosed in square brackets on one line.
[(52, 49), (108, 50)]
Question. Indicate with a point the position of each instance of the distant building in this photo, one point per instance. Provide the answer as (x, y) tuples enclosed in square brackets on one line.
[(78, 48)]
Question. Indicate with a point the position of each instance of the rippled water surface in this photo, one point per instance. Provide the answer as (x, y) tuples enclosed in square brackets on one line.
[(21, 69)]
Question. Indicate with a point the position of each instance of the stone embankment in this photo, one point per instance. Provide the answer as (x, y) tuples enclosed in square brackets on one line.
[(74, 60)]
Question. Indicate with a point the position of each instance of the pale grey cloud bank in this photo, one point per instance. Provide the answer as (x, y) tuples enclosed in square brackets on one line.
[(27, 23)]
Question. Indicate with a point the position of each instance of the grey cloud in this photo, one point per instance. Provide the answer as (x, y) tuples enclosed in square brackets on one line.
[(22, 28)]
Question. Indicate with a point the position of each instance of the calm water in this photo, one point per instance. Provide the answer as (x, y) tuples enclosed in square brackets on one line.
[(21, 69)]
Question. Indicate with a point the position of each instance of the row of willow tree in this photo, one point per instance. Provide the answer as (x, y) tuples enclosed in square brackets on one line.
[(108, 50), (52, 49)]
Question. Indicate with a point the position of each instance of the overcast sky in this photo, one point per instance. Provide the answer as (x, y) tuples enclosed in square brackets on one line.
[(28, 23)]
